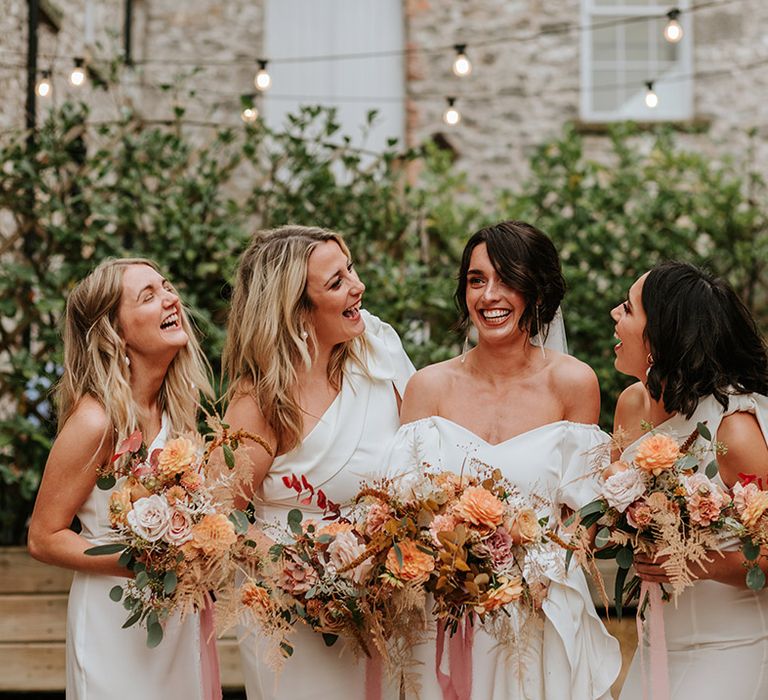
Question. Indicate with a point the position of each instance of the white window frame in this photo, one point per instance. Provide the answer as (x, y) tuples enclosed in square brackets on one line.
[(352, 86), (674, 88)]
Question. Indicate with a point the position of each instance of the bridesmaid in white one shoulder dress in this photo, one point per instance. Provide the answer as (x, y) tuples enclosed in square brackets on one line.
[(530, 414), (700, 358), (350, 370), (117, 377)]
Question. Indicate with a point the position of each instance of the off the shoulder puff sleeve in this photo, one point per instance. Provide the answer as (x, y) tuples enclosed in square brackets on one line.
[(586, 452)]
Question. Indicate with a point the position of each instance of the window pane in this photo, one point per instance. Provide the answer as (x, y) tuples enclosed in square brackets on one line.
[(605, 96), (604, 44)]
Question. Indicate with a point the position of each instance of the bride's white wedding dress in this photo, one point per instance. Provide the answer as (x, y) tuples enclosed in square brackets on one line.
[(570, 655), (105, 662), (717, 635)]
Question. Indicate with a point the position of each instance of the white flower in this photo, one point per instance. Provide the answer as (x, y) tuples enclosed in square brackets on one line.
[(414, 485), (150, 517), (622, 489), (343, 551), (179, 527)]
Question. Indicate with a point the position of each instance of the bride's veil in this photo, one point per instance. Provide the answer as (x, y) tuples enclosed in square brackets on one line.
[(553, 334)]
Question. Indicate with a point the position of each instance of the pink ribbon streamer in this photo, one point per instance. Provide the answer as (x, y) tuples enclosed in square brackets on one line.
[(209, 656), (457, 683), (373, 677), (657, 641)]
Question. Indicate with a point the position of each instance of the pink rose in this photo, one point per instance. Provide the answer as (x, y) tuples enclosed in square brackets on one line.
[(343, 551), (150, 517), (179, 528), (751, 502), (623, 488)]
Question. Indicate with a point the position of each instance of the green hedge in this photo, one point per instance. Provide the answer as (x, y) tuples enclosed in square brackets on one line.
[(126, 188)]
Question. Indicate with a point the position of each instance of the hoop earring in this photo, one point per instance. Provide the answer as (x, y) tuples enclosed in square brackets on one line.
[(464, 349), (538, 333)]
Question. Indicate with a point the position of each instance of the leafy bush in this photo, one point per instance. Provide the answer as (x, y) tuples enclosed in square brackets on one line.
[(128, 188), (648, 201)]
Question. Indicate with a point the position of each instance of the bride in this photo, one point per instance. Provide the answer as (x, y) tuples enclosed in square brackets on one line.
[(530, 412)]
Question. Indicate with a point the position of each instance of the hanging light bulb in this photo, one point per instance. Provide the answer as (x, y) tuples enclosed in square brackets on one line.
[(249, 114), (673, 32), (43, 87), (651, 98), (262, 81), (451, 116), (461, 64), (77, 76)]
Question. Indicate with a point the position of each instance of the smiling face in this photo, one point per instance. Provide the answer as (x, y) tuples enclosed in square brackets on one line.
[(336, 293), (149, 314), (632, 350), (494, 308)]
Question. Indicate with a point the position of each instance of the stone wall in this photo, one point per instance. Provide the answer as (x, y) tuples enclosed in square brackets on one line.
[(520, 92), (504, 117)]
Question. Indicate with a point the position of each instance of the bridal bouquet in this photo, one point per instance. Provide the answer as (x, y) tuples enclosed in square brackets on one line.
[(664, 503), (485, 535), (358, 576), (172, 524)]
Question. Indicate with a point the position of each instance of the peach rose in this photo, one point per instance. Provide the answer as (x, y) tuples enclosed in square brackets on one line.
[(213, 535), (416, 566), (480, 507), (177, 455), (751, 503), (656, 454), (179, 528), (508, 591), (615, 468), (119, 506), (524, 527)]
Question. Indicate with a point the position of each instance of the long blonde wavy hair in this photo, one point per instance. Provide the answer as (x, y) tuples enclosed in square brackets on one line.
[(94, 358), (270, 309)]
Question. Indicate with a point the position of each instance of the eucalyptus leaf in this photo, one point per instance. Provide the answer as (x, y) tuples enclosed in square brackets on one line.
[(116, 593), (132, 620), (750, 550), (240, 521), (625, 557), (142, 579), (154, 634), (755, 578), (102, 549), (295, 517), (169, 582), (330, 639), (229, 456), (618, 592), (703, 431), (711, 469), (106, 482), (603, 537)]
